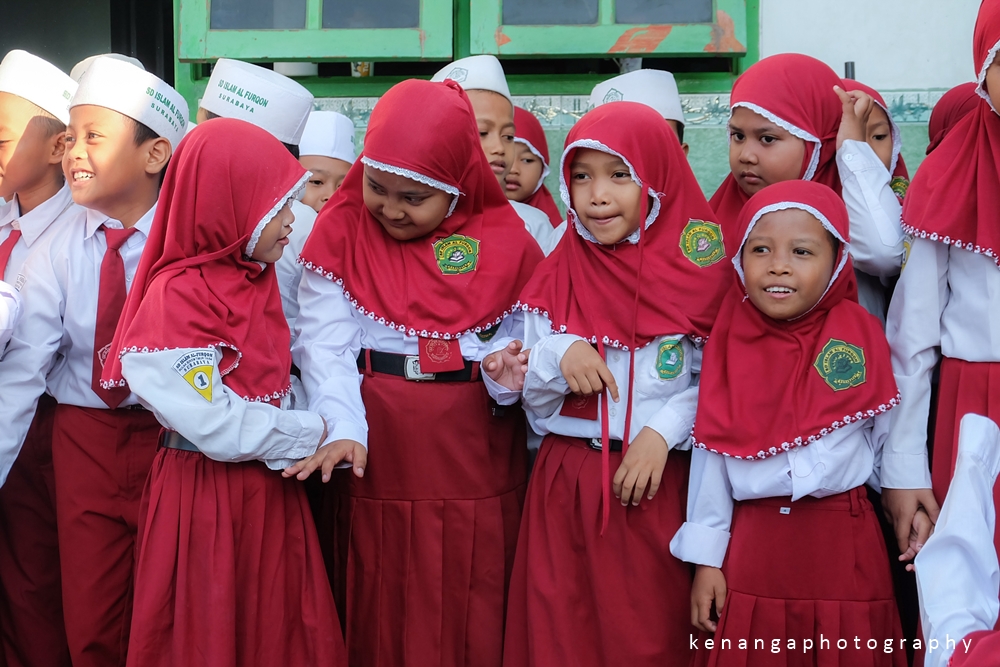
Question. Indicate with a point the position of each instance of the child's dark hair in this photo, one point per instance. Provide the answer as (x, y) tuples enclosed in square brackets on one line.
[(292, 148), (680, 132), (142, 132)]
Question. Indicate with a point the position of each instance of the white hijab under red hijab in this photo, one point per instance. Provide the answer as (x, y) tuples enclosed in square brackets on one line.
[(795, 92), (427, 132), (955, 196), (768, 386), (531, 134), (196, 286)]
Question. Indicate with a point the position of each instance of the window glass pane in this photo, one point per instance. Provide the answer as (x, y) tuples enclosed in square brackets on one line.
[(663, 11), (371, 13), (258, 14), (549, 12)]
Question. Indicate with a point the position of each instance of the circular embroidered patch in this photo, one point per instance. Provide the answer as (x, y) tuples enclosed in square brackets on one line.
[(613, 95), (841, 365), (701, 242), (900, 185), (670, 359), (907, 244), (438, 350), (456, 254)]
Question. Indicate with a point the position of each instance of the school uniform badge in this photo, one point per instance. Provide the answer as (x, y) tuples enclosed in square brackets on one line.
[(456, 254), (701, 242), (841, 365), (196, 369), (907, 244), (486, 335), (670, 359), (899, 186)]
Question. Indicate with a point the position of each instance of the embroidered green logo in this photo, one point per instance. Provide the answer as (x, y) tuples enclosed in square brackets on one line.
[(457, 254), (701, 242), (486, 335), (670, 359), (900, 185), (841, 365)]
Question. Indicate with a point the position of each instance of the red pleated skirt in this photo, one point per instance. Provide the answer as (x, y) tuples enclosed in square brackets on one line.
[(229, 571), (589, 600), (808, 584), (425, 541)]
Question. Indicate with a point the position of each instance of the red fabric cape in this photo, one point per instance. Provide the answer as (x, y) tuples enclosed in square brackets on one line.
[(530, 131), (955, 195), (762, 390), (951, 108), (194, 287), (427, 130), (798, 91)]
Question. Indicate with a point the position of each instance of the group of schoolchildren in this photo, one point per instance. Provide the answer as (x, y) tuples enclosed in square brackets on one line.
[(267, 402)]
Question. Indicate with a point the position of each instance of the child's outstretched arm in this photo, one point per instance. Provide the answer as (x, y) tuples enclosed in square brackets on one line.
[(507, 367), (857, 107), (708, 596)]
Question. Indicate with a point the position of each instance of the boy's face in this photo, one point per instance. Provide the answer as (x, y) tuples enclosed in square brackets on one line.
[(788, 260), (102, 164), (761, 153), (26, 149), (604, 196), (495, 118), (525, 172), (878, 134), (992, 83), (274, 236), (327, 175), (405, 208)]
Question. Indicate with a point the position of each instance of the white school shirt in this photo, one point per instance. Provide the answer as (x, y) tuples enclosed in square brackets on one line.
[(874, 211), (53, 344), (537, 223), (230, 428), (840, 461), (287, 269), (946, 298), (667, 406), (958, 577), (330, 334), (10, 312), (35, 226)]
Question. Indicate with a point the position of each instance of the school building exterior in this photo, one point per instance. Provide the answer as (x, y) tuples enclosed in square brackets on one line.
[(348, 52)]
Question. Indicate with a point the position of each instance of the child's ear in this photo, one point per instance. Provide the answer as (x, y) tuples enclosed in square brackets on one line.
[(685, 148), (159, 153), (57, 144)]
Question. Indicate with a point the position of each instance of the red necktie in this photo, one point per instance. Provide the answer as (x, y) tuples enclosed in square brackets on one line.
[(6, 248), (110, 302)]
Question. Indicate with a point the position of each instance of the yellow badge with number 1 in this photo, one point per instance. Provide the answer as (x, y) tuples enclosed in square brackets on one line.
[(196, 368)]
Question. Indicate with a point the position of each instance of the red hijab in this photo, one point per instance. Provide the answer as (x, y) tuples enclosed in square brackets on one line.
[(900, 176), (531, 134), (195, 287), (796, 93), (768, 386), (951, 108), (427, 132), (955, 195)]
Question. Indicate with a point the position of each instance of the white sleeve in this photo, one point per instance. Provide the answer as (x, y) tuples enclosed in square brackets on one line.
[(913, 328), (185, 391), (873, 209), (10, 312), (544, 385), (958, 577), (704, 538), (537, 223), (326, 348), (675, 419)]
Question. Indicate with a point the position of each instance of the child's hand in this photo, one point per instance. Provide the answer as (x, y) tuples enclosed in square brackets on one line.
[(586, 372), (920, 530), (328, 456), (643, 464), (913, 513), (709, 587), (858, 107), (508, 366)]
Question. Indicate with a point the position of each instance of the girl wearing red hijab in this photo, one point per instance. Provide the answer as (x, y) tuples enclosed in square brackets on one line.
[(614, 316), (795, 386), (948, 294), (229, 570), (951, 108), (785, 123), (526, 180), (414, 268), (882, 135)]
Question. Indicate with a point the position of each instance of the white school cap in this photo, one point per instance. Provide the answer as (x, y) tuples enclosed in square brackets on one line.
[(329, 134), (260, 96), (40, 82), (191, 126), (652, 87), (81, 67), (143, 97), (477, 73)]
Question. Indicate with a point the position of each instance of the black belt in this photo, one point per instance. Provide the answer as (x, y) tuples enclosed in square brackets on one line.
[(595, 443), (408, 366), (174, 440)]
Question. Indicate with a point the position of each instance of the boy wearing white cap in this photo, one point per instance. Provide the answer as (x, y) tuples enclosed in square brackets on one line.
[(653, 87), (327, 151), (484, 82), (34, 110), (123, 125)]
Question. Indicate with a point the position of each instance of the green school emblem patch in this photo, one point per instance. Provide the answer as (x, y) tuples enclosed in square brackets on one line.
[(486, 335), (841, 365), (900, 185), (701, 242), (670, 359), (457, 254)]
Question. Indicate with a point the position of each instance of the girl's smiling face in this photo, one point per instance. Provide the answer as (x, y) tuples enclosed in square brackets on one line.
[(761, 153)]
